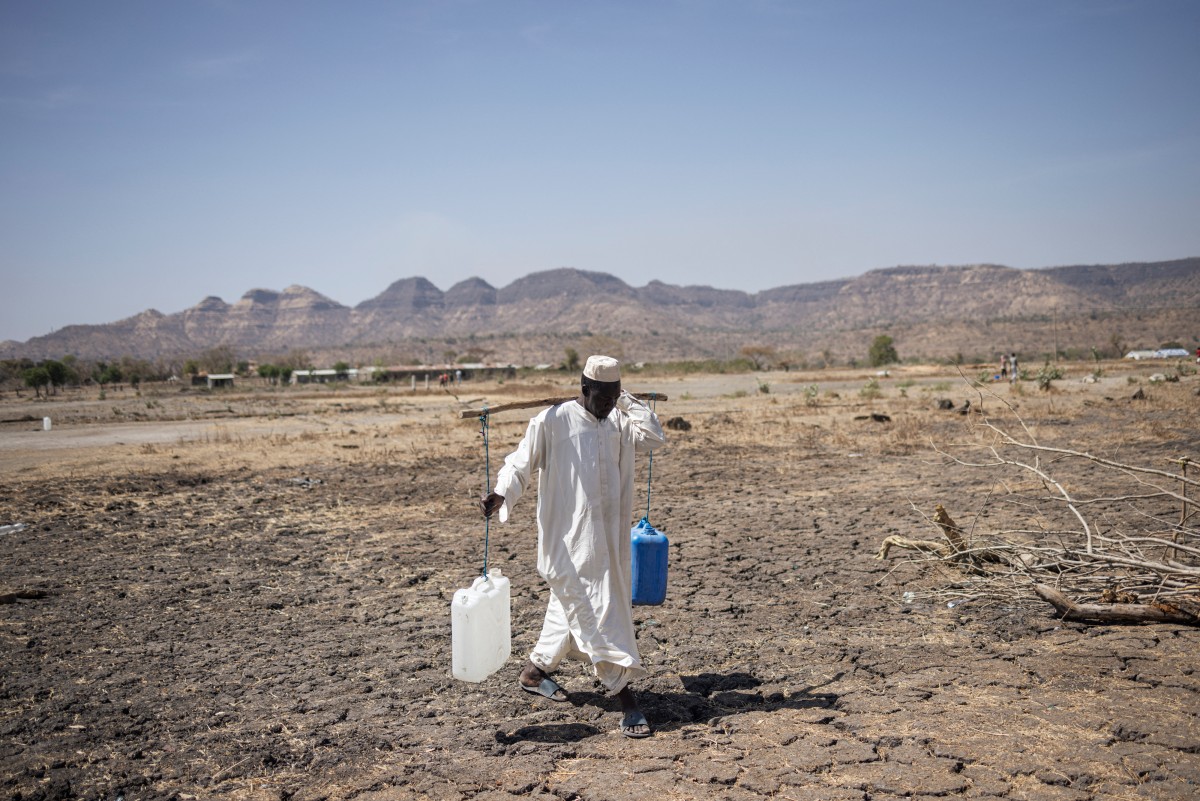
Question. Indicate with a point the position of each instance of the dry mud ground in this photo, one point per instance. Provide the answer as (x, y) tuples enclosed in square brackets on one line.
[(245, 595)]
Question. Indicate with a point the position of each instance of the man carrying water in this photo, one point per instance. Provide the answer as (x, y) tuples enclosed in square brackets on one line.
[(582, 451)]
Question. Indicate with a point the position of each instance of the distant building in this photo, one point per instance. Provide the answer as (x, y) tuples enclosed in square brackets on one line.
[(474, 371), (1161, 353), (219, 380), (323, 376)]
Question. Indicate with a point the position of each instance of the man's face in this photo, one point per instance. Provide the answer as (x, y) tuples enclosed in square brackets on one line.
[(600, 398)]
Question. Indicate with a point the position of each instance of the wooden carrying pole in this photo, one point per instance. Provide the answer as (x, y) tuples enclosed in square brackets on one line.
[(529, 404)]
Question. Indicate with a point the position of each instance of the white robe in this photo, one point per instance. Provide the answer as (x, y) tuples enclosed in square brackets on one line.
[(584, 512)]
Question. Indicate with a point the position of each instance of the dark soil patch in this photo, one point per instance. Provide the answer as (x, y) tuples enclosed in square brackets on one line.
[(244, 634)]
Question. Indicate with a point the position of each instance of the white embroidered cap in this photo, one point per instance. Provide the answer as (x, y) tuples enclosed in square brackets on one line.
[(602, 368)]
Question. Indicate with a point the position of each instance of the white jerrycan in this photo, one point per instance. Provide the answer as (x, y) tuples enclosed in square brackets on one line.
[(480, 627)]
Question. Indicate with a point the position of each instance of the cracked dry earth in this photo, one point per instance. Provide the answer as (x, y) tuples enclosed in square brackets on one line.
[(250, 619)]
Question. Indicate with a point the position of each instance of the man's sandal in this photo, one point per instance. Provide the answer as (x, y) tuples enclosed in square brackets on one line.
[(547, 688), (633, 719)]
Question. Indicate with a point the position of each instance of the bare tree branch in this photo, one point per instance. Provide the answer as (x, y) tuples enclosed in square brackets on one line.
[(1117, 544)]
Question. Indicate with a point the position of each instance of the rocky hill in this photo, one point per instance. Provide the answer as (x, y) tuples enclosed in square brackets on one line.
[(930, 311)]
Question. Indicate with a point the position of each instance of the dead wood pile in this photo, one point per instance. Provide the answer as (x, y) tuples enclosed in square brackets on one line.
[(1130, 545)]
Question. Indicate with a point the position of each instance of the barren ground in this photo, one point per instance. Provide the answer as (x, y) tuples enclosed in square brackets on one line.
[(245, 595)]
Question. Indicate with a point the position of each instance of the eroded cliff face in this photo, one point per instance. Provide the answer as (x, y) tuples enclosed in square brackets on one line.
[(681, 321), (302, 315)]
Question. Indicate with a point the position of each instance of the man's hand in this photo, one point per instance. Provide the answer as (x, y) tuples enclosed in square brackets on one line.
[(490, 504)]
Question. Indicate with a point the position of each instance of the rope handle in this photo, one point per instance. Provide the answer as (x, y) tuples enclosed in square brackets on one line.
[(650, 469), (487, 480)]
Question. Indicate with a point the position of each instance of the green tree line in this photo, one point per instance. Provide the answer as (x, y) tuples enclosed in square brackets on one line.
[(49, 376)]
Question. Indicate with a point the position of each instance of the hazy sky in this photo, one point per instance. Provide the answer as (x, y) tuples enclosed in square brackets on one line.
[(153, 153)]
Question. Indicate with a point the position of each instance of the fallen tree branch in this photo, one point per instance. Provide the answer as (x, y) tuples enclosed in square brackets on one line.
[(1159, 612), (926, 546), (949, 528), (944, 550), (957, 549), (22, 595)]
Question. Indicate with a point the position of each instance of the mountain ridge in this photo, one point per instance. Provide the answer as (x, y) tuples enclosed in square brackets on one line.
[(576, 304)]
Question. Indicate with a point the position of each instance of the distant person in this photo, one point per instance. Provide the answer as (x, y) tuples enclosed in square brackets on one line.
[(581, 453), (458, 378), (1012, 369), (1003, 366)]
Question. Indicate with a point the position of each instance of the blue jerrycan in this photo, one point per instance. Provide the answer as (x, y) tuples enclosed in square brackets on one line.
[(649, 549)]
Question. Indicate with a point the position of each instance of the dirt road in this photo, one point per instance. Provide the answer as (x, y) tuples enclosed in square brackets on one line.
[(253, 604)]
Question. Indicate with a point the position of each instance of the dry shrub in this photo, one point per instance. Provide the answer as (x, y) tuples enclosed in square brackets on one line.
[(906, 434), (1159, 430)]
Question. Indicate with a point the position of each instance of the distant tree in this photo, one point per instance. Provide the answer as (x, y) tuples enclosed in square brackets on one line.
[(1171, 344), (883, 352), (74, 373), (1116, 345), (110, 374), (218, 360), (36, 378), (191, 367), (269, 372), (135, 371), (572, 363), (243, 368), (789, 359), (13, 370), (341, 367), (763, 356), (295, 360), (58, 372)]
